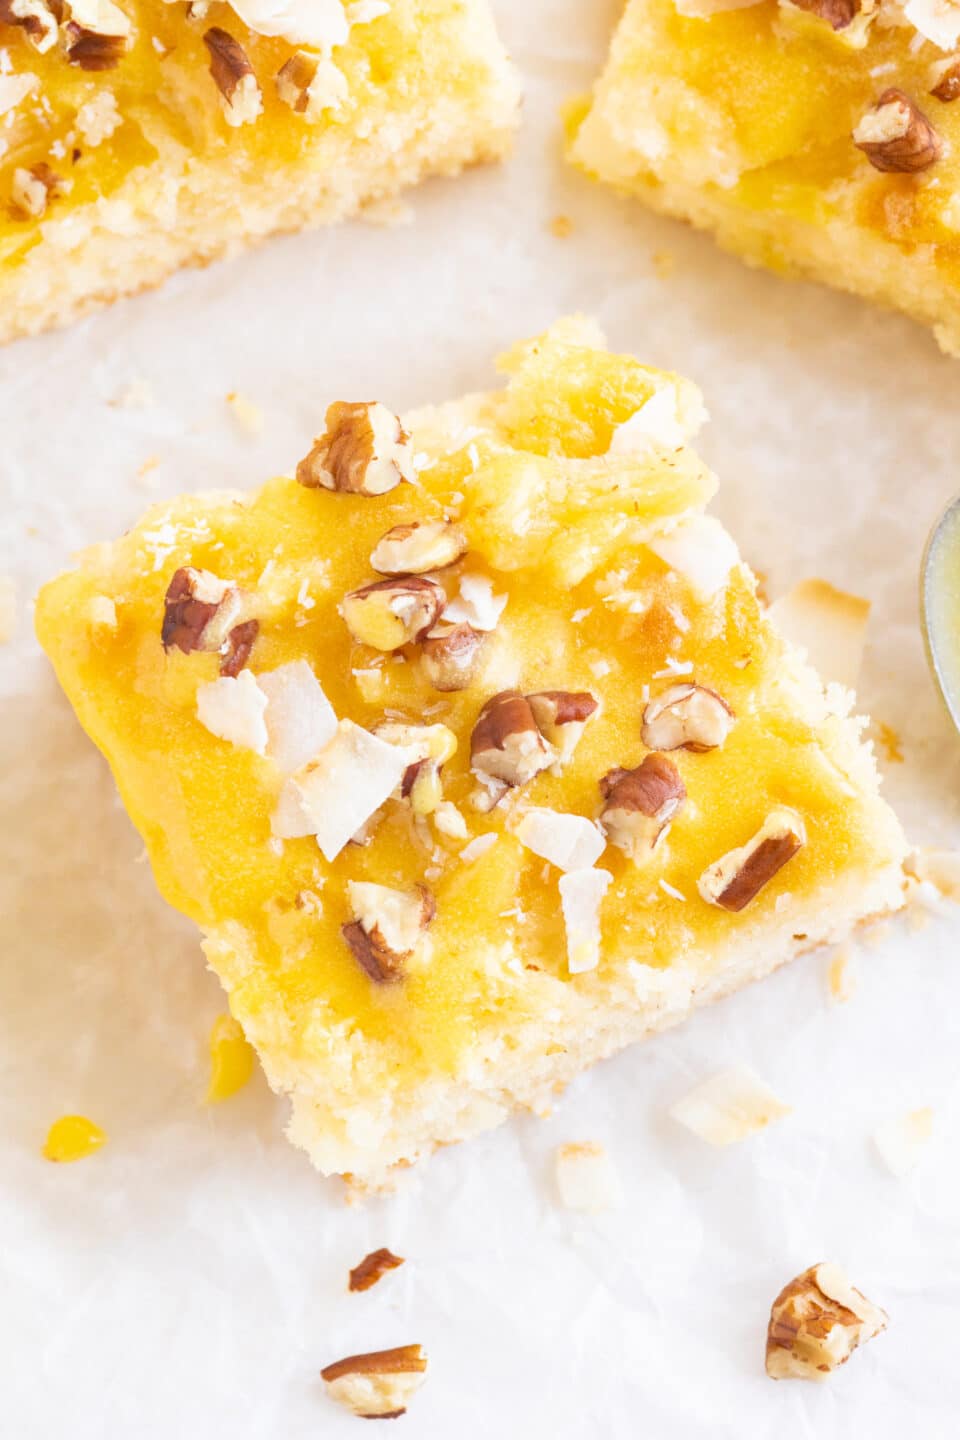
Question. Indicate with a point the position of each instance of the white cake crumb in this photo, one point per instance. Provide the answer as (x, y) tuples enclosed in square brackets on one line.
[(586, 1178)]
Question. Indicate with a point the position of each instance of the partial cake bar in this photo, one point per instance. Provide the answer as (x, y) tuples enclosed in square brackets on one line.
[(137, 136), (471, 749), (818, 138)]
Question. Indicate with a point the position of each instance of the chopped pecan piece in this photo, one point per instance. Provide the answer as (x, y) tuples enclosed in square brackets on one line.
[(392, 613), (946, 86), (896, 136), (294, 80), (199, 611), (419, 546), (387, 927), (433, 745), (372, 1268), (233, 76), (837, 13), (38, 19), (377, 1385), (311, 85), (686, 717), (561, 716), (816, 1323), (739, 876), (506, 747), (239, 644), (97, 34), (451, 655), (640, 804), (33, 190), (364, 451)]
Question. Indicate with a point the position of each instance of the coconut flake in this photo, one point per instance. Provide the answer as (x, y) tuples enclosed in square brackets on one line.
[(571, 842), (346, 784), (232, 708), (701, 550), (829, 624), (586, 1178), (477, 847), (361, 12), (729, 1106), (476, 604), (901, 1139), (318, 24), (289, 820), (581, 895), (937, 20), (300, 719), (655, 426), (449, 821)]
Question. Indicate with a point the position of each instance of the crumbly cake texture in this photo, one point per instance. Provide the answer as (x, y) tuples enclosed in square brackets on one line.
[(141, 136), (697, 810), (819, 140)]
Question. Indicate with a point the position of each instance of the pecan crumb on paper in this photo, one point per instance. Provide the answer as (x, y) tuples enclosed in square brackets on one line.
[(373, 1267)]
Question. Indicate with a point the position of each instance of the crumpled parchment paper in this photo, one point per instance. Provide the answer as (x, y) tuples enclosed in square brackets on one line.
[(190, 1280)]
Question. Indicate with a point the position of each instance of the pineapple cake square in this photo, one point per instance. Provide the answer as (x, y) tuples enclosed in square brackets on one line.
[(820, 138), (471, 748), (137, 136)]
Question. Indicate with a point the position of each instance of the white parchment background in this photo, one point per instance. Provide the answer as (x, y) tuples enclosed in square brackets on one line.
[(189, 1281)]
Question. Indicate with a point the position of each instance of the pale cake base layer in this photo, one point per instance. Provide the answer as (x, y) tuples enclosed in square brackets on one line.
[(835, 254), (346, 1129), (182, 211)]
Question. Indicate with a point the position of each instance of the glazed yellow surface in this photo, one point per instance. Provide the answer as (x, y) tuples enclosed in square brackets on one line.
[(757, 106), (560, 527), (170, 104)]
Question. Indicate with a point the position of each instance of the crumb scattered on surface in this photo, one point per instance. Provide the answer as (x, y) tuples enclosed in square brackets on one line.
[(889, 742), (939, 868), (664, 263), (373, 1267), (840, 977), (144, 478), (8, 608), (729, 1106), (72, 1137), (876, 933), (586, 1177), (561, 226), (137, 394), (901, 1139), (231, 1059), (763, 593), (248, 416)]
